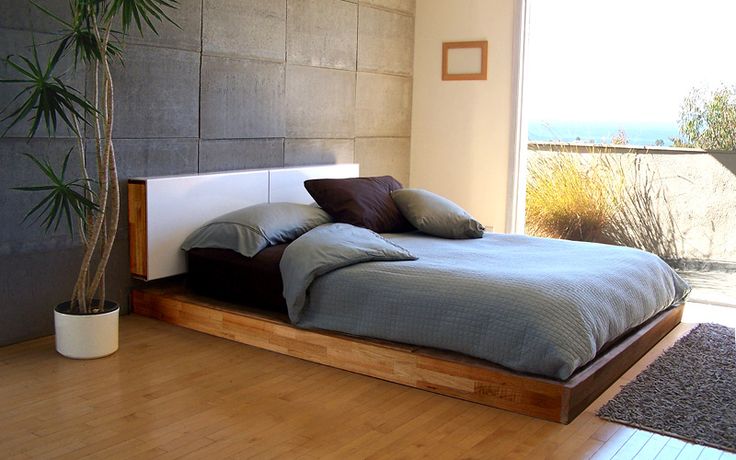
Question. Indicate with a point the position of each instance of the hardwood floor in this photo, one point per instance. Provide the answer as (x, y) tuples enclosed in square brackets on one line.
[(171, 392)]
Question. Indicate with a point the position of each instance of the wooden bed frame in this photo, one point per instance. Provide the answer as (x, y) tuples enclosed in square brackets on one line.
[(446, 373), (158, 223)]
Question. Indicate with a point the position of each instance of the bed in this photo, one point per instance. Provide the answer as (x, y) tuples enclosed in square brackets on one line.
[(459, 317)]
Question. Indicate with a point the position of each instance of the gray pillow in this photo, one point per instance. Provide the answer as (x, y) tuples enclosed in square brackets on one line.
[(436, 215), (251, 229)]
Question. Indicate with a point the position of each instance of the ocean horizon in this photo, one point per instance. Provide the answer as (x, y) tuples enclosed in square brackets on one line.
[(637, 133)]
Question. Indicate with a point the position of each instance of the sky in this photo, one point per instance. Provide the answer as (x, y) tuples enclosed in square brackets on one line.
[(625, 60)]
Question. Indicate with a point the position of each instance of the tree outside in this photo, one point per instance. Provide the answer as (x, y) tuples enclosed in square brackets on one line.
[(708, 119)]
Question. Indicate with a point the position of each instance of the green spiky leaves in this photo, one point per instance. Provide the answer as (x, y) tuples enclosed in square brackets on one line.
[(79, 34), (44, 97), (65, 200), (138, 12)]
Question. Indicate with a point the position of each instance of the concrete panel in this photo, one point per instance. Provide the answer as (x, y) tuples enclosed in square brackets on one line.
[(320, 103), (117, 276), (405, 6), (155, 157), (31, 285), (244, 28), (187, 15), (156, 93), (21, 14), (301, 152), (18, 171), (383, 105), (230, 154), (385, 42), (321, 33), (241, 98), (18, 42), (381, 156)]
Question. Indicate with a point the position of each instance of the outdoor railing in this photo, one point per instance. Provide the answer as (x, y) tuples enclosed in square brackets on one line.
[(577, 147)]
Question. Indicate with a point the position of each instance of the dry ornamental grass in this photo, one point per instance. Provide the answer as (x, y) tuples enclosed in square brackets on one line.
[(564, 199), (615, 199)]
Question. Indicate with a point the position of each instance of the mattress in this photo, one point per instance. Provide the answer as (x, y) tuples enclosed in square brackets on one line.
[(226, 275)]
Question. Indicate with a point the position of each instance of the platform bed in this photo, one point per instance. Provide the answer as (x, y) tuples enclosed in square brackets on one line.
[(446, 373), (158, 224)]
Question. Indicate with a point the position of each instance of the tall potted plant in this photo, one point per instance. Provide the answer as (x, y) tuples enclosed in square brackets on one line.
[(94, 36)]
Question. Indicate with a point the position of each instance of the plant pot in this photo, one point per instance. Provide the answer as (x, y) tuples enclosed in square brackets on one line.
[(86, 335)]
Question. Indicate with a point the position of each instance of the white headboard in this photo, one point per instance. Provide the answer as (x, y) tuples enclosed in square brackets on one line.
[(163, 211)]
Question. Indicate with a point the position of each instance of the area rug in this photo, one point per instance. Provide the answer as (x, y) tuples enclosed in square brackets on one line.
[(688, 392)]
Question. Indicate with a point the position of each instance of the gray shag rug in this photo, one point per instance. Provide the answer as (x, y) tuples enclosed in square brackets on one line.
[(688, 392)]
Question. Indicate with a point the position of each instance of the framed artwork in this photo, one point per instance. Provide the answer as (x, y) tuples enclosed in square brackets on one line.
[(465, 60)]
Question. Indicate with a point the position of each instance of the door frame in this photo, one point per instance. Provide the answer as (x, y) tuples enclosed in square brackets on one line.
[(516, 197)]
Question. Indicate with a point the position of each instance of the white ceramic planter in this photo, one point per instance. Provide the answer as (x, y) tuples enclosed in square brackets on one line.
[(86, 336)]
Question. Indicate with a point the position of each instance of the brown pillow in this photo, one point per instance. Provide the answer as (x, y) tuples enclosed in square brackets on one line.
[(360, 201)]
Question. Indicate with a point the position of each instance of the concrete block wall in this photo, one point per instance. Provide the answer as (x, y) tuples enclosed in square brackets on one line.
[(241, 84)]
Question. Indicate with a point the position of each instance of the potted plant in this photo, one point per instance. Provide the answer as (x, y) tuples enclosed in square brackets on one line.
[(87, 324)]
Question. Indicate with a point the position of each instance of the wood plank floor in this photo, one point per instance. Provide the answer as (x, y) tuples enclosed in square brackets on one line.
[(174, 393)]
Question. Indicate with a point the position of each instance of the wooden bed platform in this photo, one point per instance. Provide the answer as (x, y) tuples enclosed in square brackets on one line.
[(441, 372)]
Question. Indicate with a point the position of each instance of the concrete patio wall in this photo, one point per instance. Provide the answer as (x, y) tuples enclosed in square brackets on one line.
[(242, 84), (700, 191)]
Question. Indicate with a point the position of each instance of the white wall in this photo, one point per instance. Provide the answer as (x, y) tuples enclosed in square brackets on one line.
[(463, 131)]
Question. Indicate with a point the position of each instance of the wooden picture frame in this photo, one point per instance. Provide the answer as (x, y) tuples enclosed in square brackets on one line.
[(447, 71)]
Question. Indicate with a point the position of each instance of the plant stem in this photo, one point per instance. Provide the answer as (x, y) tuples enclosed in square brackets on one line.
[(110, 177)]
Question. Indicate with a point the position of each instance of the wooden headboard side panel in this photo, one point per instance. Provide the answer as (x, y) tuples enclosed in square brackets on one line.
[(137, 230), (175, 206)]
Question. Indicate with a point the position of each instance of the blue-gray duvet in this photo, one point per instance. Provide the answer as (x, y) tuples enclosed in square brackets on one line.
[(534, 305)]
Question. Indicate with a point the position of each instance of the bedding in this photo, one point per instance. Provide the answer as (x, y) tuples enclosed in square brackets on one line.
[(226, 275), (329, 247), (251, 229), (360, 201), (436, 215), (534, 305)]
